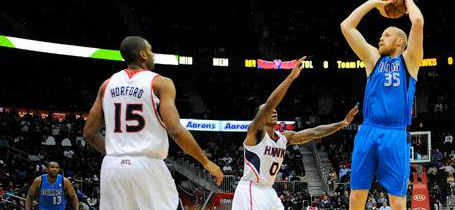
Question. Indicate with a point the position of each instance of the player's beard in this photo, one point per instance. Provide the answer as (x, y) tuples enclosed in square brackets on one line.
[(384, 51)]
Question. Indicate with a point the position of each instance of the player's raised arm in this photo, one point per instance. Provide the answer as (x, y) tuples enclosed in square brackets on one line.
[(255, 129), (366, 52), (307, 135), (165, 90), (414, 51)]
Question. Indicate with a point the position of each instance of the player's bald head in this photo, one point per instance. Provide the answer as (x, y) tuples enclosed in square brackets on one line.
[(131, 46)]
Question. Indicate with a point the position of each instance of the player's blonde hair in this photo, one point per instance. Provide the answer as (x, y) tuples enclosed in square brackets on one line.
[(402, 35)]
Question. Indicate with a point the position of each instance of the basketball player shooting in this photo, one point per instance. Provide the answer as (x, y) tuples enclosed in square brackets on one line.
[(381, 144), (264, 150)]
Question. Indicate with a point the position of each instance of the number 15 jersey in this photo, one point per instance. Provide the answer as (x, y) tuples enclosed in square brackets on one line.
[(133, 125), (264, 160)]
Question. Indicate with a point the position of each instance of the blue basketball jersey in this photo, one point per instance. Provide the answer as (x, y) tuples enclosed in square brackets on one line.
[(389, 94), (52, 196)]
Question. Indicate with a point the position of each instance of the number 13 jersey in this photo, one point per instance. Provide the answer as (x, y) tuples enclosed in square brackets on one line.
[(263, 161), (133, 124)]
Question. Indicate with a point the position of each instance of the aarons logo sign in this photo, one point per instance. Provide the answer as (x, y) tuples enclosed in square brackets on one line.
[(234, 126), (419, 197), (201, 125), (228, 125)]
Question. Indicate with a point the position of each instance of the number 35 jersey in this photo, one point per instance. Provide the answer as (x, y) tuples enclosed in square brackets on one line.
[(389, 94), (133, 124), (263, 161)]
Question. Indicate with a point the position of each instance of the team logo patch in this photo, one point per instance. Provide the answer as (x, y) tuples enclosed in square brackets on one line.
[(125, 162)]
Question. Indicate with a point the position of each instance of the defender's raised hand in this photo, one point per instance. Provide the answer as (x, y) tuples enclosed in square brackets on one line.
[(350, 116), (297, 68)]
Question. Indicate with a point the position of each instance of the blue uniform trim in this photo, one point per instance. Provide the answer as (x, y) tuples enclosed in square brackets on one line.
[(374, 69), (253, 159), (385, 126), (408, 76)]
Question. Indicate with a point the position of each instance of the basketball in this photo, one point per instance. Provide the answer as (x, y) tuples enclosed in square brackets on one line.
[(395, 10)]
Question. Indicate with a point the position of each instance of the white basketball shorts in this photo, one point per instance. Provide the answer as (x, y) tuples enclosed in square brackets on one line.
[(136, 182), (249, 196)]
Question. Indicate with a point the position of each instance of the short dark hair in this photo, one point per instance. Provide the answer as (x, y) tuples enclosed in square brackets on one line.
[(52, 161), (130, 47)]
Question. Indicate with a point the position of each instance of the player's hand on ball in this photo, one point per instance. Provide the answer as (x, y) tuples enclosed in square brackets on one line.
[(297, 68), (214, 171), (381, 4)]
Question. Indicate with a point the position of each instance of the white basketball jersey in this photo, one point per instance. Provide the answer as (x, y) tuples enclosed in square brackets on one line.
[(133, 125), (263, 161)]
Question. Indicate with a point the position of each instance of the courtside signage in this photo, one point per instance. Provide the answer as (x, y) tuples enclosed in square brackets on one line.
[(234, 126), (225, 125), (201, 125)]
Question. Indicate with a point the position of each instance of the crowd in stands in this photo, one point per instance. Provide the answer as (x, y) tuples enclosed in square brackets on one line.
[(227, 151), (253, 30), (46, 138), (28, 142), (309, 103)]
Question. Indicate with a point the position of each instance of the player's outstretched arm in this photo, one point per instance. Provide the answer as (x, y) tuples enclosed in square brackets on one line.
[(165, 90), (414, 51), (255, 129), (32, 193), (366, 52), (71, 193), (307, 135), (95, 122)]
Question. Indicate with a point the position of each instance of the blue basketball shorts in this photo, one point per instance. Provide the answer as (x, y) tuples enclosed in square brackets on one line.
[(382, 151)]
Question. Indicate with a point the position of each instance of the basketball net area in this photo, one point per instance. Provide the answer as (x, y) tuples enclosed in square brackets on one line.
[(420, 147), (420, 153)]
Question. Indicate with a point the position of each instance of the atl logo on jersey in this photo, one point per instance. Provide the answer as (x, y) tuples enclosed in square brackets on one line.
[(125, 162)]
